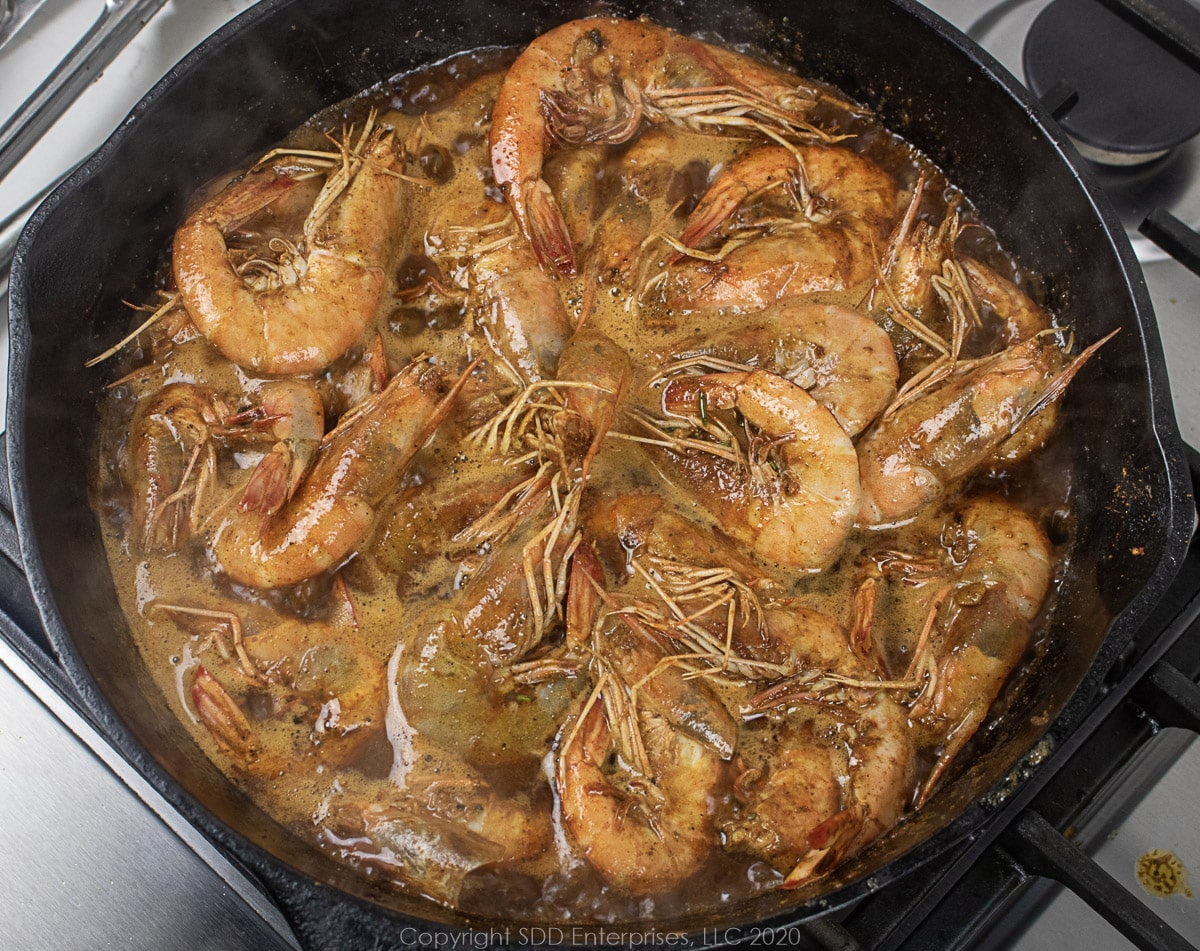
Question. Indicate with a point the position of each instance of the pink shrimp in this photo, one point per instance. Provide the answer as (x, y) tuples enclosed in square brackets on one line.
[(845, 204), (912, 457), (335, 507), (795, 508), (317, 303)]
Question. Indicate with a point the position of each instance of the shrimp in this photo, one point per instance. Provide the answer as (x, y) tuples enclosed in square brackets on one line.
[(171, 460), (518, 308), (636, 794), (915, 255), (507, 606), (564, 421), (173, 451), (448, 692), (434, 834), (843, 359), (796, 503), (997, 574), (685, 702), (298, 688), (510, 604), (687, 592), (1005, 548), (928, 297), (810, 800), (816, 788), (637, 763), (291, 413), (454, 683), (840, 203), (911, 458), (659, 163), (319, 301), (634, 524), (336, 506), (546, 439), (574, 176), (829, 184), (594, 359), (458, 519), (1020, 317), (635, 644), (595, 80)]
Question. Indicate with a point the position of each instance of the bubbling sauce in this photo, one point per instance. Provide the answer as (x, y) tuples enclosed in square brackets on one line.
[(614, 634)]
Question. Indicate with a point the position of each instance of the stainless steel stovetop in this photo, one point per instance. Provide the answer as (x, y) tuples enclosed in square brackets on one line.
[(94, 858)]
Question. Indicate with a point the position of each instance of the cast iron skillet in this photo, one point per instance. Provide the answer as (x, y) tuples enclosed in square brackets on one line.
[(97, 238)]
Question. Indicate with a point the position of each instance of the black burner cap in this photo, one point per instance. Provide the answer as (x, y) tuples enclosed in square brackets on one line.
[(1136, 101)]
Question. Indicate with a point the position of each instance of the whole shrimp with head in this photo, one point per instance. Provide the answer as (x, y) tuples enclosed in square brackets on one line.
[(809, 789), (826, 762), (936, 301), (295, 689), (793, 220), (960, 621), (793, 492), (904, 298), (170, 462), (915, 454), (301, 312), (843, 359), (433, 834), (597, 80), (336, 505), (638, 795)]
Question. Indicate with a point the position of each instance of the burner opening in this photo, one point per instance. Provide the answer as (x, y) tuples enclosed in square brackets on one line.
[(1136, 100)]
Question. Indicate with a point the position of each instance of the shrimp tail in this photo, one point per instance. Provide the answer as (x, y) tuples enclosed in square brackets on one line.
[(584, 595), (714, 208), (828, 844), (273, 481), (223, 718), (248, 198), (548, 230)]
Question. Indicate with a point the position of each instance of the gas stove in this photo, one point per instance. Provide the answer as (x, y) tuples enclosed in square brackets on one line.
[(96, 857)]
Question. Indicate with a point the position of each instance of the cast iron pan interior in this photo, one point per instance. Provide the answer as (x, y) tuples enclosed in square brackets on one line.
[(96, 240)]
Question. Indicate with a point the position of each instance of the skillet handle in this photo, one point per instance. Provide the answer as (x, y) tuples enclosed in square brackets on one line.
[(1174, 237)]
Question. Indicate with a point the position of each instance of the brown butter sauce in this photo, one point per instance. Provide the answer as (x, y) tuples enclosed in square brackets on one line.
[(453, 97)]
